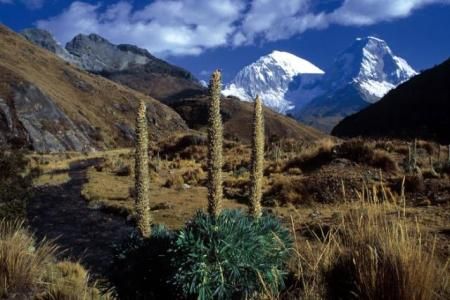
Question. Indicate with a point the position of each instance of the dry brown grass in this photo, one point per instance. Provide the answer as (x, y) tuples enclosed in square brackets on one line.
[(373, 251), (383, 258), (313, 157), (102, 105), (30, 270), (286, 190), (21, 260), (364, 153), (70, 281)]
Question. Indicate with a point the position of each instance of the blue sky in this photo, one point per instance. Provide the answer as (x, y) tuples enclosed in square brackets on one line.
[(202, 35)]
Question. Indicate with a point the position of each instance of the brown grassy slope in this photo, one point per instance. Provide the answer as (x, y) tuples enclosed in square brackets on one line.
[(237, 117), (85, 98)]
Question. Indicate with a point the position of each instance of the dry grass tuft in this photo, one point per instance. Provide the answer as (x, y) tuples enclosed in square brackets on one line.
[(373, 252), (70, 281), (383, 258), (363, 153), (314, 157), (175, 181), (29, 270), (286, 190), (21, 261)]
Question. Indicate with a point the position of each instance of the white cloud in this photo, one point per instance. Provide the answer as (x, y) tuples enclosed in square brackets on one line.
[(275, 19), (174, 27), (367, 12), (188, 27)]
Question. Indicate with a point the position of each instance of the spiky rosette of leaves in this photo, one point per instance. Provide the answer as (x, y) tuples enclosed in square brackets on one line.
[(231, 255)]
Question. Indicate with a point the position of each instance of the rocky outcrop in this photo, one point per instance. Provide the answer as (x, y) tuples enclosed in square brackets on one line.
[(48, 105), (45, 40), (48, 128), (126, 64), (97, 54)]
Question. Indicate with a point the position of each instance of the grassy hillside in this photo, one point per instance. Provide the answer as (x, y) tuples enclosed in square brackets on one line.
[(237, 118), (98, 107)]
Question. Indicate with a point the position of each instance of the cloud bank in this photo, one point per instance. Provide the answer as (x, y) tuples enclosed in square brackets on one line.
[(189, 27)]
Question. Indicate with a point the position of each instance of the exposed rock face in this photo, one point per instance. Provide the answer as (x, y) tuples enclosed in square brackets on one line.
[(45, 40), (127, 64), (47, 127), (96, 54), (6, 125), (48, 105)]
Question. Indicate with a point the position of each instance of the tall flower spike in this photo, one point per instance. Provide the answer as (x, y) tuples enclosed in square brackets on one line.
[(141, 172), (215, 137), (257, 162)]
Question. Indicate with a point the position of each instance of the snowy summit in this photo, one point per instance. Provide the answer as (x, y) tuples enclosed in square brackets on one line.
[(270, 77)]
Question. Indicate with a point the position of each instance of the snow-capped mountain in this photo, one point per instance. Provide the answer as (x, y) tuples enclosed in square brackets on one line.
[(359, 76), (270, 77)]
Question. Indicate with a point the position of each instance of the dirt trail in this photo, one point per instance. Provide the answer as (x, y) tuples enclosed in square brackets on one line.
[(84, 234)]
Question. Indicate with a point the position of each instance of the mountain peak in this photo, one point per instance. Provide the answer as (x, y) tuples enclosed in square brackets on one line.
[(270, 77), (371, 38), (360, 75), (291, 63), (370, 63)]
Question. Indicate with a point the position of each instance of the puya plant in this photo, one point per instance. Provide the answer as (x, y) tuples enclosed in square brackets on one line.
[(230, 254), (411, 163), (221, 254), (143, 217), (257, 160), (215, 142)]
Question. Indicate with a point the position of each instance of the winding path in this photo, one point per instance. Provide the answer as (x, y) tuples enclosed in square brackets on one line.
[(83, 234)]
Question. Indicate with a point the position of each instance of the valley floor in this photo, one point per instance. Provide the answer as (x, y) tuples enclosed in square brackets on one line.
[(85, 202)]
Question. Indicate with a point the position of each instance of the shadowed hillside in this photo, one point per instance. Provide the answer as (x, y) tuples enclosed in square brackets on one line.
[(418, 108), (237, 116)]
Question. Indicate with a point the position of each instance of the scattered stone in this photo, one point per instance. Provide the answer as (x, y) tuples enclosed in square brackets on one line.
[(161, 206)]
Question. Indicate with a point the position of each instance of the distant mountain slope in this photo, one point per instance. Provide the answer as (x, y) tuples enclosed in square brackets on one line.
[(418, 108), (126, 64), (237, 118), (270, 77), (48, 105), (359, 76), (136, 68)]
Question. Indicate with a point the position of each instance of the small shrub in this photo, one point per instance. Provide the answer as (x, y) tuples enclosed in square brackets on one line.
[(69, 281), (175, 181), (231, 256), (123, 171), (414, 183), (360, 152), (15, 184), (142, 266), (384, 161), (193, 176), (286, 189), (311, 160)]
